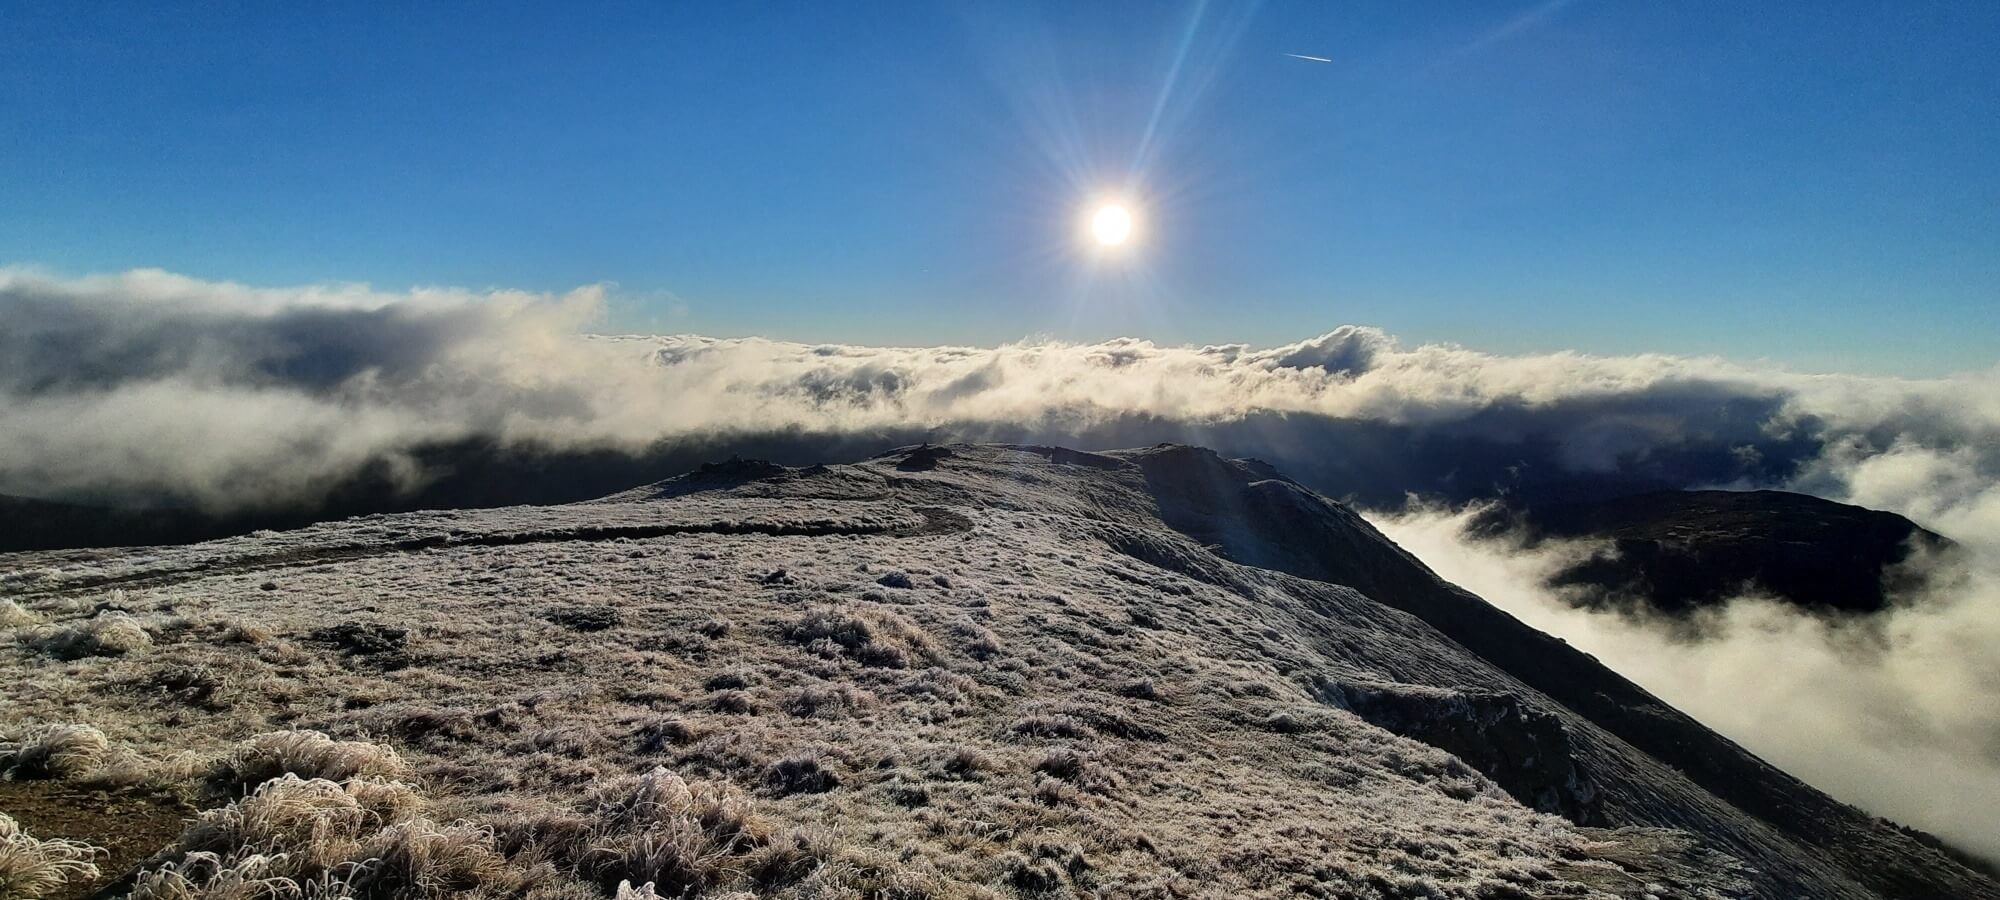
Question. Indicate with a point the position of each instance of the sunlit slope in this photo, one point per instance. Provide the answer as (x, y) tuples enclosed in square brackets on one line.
[(964, 671)]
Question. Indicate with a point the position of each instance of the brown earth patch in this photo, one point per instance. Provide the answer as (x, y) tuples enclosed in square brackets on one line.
[(129, 825)]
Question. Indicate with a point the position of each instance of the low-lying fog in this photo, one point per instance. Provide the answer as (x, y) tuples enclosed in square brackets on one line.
[(1898, 713)]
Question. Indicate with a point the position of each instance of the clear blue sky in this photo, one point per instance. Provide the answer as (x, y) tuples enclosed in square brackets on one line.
[(1816, 183)]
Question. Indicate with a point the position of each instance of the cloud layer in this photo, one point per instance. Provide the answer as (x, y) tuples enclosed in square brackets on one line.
[(147, 386), (1899, 714)]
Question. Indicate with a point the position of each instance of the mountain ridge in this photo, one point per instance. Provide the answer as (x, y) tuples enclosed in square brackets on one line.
[(1090, 560)]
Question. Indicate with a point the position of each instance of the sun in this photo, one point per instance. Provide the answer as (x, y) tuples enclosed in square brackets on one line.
[(1111, 225)]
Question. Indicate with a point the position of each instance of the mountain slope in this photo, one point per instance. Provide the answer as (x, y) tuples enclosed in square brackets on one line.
[(1142, 673), (1683, 550)]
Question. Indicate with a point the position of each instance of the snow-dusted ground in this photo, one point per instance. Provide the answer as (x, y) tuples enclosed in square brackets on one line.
[(997, 670)]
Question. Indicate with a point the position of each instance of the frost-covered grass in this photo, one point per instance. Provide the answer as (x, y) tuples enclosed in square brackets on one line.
[(870, 637), (52, 751), (31, 869), (361, 838), (111, 634), (13, 616), (306, 754), (888, 706)]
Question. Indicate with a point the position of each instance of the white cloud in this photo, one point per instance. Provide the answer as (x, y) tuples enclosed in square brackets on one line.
[(148, 383), (1900, 714)]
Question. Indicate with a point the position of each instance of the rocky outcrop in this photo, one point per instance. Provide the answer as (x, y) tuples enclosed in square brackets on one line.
[(1525, 751)]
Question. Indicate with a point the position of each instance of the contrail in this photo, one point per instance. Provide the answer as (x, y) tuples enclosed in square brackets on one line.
[(1308, 58)]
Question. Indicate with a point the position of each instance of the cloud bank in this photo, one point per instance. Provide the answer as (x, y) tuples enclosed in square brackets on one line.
[(151, 387), (1898, 713)]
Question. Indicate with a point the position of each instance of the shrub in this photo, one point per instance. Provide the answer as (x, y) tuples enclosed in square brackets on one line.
[(307, 754), (32, 868), (55, 751)]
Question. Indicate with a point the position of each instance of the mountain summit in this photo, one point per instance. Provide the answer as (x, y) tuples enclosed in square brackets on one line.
[(948, 671)]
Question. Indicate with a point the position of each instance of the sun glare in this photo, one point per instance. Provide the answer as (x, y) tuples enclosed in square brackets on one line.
[(1111, 225)]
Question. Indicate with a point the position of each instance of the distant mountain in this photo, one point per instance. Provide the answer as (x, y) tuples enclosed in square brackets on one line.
[(468, 474), (954, 672), (1505, 450), (1684, 550), (30, 524)]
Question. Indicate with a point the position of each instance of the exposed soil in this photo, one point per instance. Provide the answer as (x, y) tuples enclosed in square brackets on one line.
[(129, 825)]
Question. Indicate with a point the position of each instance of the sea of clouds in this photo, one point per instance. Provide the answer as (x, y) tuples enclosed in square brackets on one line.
[(151, 388)]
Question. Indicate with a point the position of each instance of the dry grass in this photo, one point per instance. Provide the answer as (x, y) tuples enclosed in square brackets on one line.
[(423, 859), (312, 837), (12, 615), (210, 876), (306, 754), (656, 829), (31, 869), (53, 751), (870, 637), (643, 892), (1079, 769), (109, 634), (317, 823), (658, 835)]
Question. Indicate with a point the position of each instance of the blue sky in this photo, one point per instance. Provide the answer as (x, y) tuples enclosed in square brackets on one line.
[(1812, 183)]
